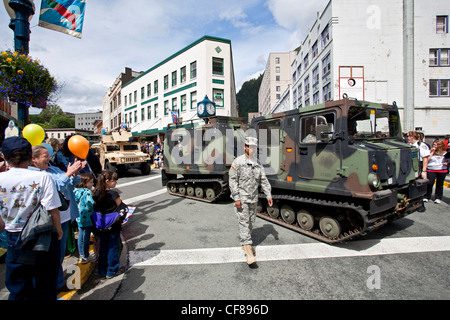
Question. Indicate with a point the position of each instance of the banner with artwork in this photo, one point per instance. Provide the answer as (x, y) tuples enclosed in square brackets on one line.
[(63, 16)]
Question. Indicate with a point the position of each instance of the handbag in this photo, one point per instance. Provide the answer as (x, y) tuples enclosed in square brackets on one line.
[(65, 203), (105, 222)]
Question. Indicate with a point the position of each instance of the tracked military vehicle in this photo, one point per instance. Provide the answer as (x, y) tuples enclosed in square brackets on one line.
[(117, 153), (338, 170)]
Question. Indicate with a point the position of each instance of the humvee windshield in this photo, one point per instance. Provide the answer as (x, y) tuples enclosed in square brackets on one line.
[(130, 147), (112, 148), (366, 123)]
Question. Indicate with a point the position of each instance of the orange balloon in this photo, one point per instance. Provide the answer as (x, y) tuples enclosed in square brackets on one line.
[(79, 146)]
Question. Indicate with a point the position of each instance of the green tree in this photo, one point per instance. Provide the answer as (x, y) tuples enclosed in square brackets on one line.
[(48, 113), (247, 97), (61, 121)]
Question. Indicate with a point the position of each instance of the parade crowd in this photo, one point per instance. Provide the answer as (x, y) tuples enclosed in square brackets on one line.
[(47, 195)]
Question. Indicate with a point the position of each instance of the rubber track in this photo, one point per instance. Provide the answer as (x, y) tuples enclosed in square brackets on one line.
[(370, 225), (225, 191)]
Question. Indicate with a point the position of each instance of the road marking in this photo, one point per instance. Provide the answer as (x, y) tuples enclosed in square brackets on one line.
[(359, 248), (144, 196), (137, 181)]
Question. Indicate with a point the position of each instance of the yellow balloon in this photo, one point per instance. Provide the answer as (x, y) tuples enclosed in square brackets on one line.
[(34, 134)]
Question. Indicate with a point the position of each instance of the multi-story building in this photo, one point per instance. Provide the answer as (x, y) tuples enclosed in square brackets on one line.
[(203, 68), (380, 51), (276, 79), (85, 121), (112, 100)]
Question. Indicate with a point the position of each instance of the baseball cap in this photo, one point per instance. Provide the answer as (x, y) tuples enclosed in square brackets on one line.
[(251, 141), (13, 144)]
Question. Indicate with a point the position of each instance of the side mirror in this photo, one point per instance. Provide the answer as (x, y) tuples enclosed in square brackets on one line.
[(323, 133)]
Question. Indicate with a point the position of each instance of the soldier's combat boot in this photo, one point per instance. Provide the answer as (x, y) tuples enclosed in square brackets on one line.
[(249, 254)]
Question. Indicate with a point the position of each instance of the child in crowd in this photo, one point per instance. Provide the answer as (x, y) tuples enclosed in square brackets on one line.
[(108, 201), (85, 201)]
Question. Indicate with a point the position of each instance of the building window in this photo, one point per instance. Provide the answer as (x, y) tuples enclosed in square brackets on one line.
[(166, 107), (277, 60), (174, 78), (135, 116), (294, 77), (277, 69), (439, 88), (218, 97), (316, 98), (149, 90), (156, 110), (142, 114), (306, 85), (278, 96), (194, 100), (135, 96), (125, 100), (306, 61), (142, 93), (278, 88), (441, 24), (193, 70), (315, 78), (314, 50), (155, 87), (174, 104), (439, 57), (166, 82), (326, 66), (299, 70), (325, 36), (183, 102), (217, 64), (183, 75), (149, 112), (327, 93)]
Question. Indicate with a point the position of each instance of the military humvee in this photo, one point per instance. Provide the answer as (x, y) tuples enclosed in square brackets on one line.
[(337, 170), (116, 153)]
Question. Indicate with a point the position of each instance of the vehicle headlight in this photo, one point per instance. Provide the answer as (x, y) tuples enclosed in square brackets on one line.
[(374, 180)]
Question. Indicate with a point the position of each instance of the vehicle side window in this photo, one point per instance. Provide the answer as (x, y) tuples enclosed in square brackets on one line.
[(316, 128)]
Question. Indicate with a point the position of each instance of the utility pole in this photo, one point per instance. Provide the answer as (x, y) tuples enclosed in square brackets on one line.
[(21, 12), (408, 63)]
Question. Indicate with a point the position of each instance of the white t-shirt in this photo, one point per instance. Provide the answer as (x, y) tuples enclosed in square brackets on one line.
[(20, 191)]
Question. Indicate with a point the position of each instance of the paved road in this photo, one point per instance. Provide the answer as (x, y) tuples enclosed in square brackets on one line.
[(189, 250)]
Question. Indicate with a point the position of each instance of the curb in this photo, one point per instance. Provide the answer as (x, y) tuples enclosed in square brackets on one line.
[(85, 272)]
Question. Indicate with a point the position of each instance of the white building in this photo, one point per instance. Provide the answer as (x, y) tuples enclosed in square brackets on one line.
[(380, 51), (276, 79), (204, 67), (85, 121), (112, 100)]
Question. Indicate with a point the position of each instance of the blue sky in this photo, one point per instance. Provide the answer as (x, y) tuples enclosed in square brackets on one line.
[(141, 33)]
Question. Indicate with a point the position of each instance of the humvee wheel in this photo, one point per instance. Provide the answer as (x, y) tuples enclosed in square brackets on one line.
[(287, 213), (210, 194), (173, 188), (182, 189), (190, 190), (274, 210), (305, 219), (199, 193), (330, 227)]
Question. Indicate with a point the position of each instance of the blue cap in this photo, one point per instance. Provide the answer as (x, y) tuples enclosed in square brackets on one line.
[(13, 144)]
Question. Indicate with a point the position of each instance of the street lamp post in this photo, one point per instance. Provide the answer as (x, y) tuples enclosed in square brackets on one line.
[(21, 12)]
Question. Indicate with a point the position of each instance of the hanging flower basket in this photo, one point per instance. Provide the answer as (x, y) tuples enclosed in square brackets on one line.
[(25, 80)]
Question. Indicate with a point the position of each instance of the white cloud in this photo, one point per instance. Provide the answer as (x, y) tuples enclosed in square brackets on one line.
[(141, 33)]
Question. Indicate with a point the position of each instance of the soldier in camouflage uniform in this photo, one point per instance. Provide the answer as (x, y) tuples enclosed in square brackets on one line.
[(246, 174)]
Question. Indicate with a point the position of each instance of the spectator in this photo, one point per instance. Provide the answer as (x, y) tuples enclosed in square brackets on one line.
[(437, 170), (23, 191), (85, 202), (65, 183)]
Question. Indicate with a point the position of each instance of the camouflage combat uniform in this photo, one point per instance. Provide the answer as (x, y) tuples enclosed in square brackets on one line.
[(245, 177)]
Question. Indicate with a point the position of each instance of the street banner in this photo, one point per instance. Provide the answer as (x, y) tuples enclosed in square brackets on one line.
[(174, 116), (65, 16)]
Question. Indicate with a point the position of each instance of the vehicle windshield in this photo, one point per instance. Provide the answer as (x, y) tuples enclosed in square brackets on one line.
[(366, 123)]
